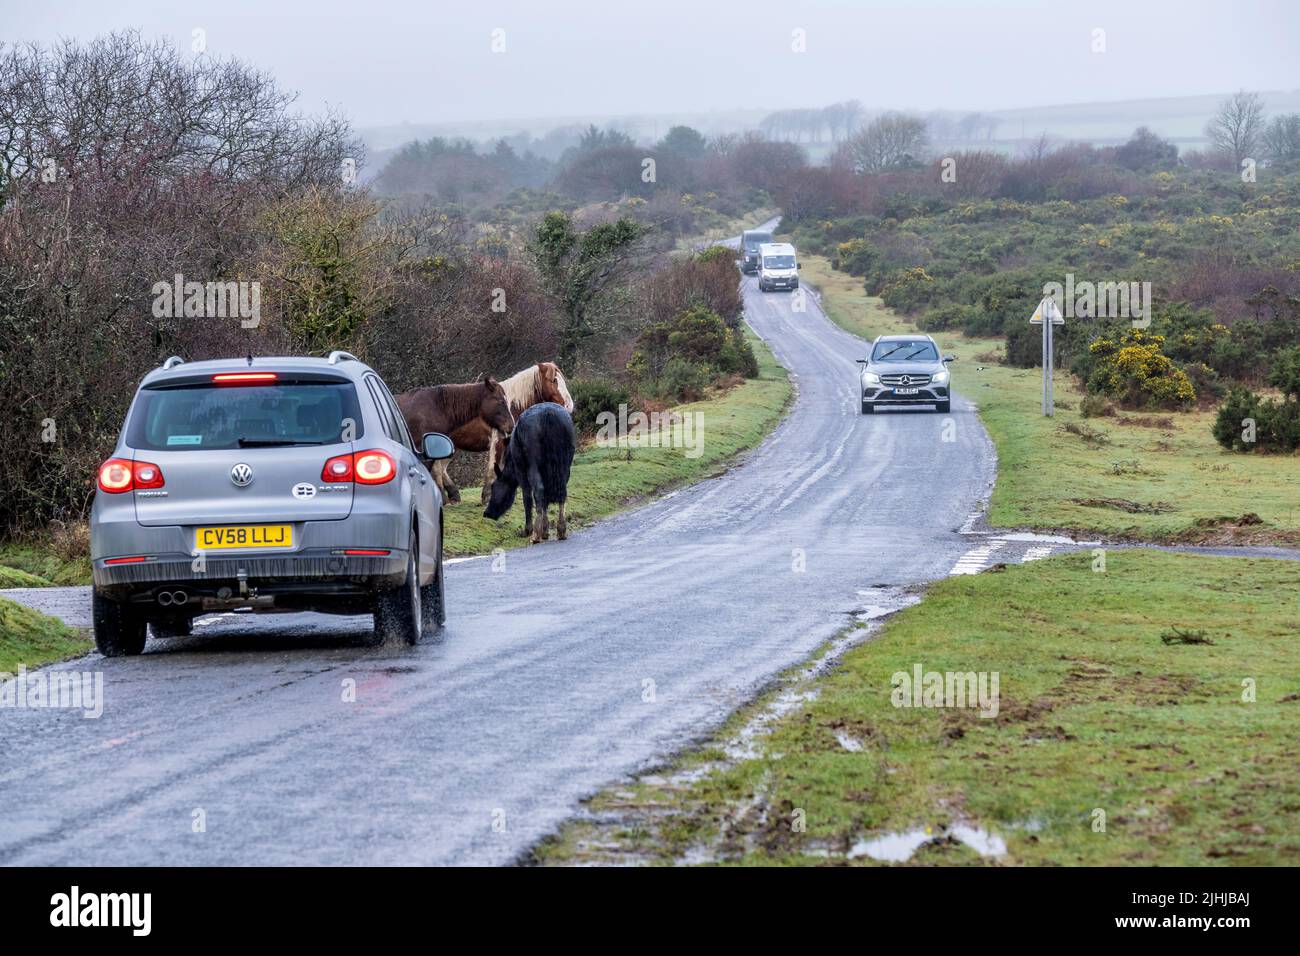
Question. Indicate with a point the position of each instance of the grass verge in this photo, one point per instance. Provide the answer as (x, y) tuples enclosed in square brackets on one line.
[(34, 564), (31, 639), (1116, 742), (606, 480), (1156, 477)]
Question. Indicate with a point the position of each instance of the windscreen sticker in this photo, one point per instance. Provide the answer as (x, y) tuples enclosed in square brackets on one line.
[(185, 439)]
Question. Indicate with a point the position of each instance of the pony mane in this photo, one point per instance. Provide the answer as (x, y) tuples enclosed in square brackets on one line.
[(460, 402), (524, 388)]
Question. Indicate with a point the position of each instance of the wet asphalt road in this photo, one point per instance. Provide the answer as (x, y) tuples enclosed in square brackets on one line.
[(577, 663)]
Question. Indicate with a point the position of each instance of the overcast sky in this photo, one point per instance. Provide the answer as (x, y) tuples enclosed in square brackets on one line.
[(384, 61)]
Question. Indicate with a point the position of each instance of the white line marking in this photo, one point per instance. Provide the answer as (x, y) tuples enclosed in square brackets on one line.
[(976, 559)]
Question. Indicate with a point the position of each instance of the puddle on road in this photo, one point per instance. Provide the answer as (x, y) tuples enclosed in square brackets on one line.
[(1034, 536)]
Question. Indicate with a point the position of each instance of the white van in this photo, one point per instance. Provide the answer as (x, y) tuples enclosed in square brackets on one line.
[(777, 268)]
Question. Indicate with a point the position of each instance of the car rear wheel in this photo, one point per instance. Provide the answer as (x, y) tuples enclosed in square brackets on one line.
[(398, 611), (434, 600), (119, 631)]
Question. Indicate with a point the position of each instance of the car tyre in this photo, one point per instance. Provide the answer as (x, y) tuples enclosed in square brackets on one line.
[(943, 407), (182, 627), (119, 630), (433, 599), (399, 614)]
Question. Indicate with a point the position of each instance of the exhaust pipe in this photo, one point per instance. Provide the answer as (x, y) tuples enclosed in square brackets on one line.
[(167, 598), (179, 597), (164, 598)]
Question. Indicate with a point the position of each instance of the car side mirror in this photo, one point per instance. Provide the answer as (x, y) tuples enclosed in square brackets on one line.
[(950, 358), (861, 361), (437, 446)]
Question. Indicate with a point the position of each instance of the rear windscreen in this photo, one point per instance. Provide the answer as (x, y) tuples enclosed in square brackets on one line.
[(223, 416), (754, 239)]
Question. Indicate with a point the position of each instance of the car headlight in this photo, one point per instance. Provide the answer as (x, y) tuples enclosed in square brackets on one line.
[(940, 377), (870, 378)]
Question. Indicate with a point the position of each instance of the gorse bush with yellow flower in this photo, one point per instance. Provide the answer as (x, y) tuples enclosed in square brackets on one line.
[(1132, 369)]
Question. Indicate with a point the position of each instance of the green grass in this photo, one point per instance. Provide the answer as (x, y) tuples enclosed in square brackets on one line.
[(30, 564), (32, 639), (606, 480), (1186, 487), (1096, 712)]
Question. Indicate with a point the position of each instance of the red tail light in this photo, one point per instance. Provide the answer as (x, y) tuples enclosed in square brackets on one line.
[(373, 467), (243, 378), (118, 475), (337, 469), (148, 475)]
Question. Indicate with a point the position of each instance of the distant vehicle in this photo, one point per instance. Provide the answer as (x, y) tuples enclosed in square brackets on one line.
[(750, 240), (905, 370), (777, 267), (265, 484)]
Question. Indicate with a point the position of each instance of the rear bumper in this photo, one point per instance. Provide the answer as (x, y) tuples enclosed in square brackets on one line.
[(310, 578), (164, 559)]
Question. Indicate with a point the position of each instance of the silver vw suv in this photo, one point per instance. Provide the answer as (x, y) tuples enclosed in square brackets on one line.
[(905, 370), (265, 484)]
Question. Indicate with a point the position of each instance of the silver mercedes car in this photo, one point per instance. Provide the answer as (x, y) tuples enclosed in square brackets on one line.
[(265, 484), (905, 370)]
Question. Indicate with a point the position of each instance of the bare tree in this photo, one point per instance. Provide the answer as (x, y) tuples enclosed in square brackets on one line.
[(891, 141), (1281, 139), (1237, 127)]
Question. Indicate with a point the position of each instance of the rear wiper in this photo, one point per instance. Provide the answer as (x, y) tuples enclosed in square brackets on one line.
[(272, 442)]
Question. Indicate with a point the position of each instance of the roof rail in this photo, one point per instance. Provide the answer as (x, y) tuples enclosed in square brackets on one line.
[(173, 362), (340, 356)]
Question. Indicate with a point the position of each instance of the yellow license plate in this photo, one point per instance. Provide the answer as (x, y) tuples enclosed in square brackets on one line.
[(243, 536)]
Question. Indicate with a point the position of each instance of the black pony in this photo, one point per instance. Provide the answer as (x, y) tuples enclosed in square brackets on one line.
[(538, 458)]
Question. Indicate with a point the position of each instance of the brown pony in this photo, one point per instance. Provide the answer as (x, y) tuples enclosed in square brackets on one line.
[(543, 382), (452, 409)]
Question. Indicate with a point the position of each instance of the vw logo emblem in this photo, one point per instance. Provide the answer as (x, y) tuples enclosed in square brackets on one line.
[(906, 380), (241, 474)]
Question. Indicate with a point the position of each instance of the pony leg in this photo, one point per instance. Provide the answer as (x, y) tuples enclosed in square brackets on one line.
[(538, 493), (445, 484), (490, 472), (561, 529), (528, 513)]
